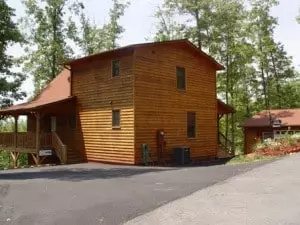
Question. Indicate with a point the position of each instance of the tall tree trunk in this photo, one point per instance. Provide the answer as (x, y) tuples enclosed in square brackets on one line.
[(54, 30), (264, 84), (198, 23), (278, 87), (226, 92)]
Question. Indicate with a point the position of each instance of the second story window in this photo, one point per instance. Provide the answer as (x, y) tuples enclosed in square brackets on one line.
[(115, 68), (180, 76)]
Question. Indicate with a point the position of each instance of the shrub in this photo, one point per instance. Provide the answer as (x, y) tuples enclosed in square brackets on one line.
[(283, 142)]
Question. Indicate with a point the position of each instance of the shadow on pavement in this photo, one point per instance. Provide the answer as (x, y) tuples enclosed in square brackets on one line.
[(78, 174)]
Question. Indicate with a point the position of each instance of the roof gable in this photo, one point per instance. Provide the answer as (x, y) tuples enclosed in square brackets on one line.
[(130, 48)]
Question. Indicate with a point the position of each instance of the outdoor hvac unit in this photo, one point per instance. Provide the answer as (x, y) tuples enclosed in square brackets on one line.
[(181, 155)]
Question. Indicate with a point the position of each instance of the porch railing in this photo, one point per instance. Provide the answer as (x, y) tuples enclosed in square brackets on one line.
[(7, 139), (59, 148), (26, 142)]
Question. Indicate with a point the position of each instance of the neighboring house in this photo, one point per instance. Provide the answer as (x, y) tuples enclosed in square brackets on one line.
[(270, 124), (103, 107)]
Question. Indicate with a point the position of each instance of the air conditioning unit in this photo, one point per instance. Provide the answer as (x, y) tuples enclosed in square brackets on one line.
[(181, 155)]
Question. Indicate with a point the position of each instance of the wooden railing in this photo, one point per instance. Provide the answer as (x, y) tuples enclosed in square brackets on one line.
[(59, 148), (226, 144), (26, 140), (7, 139), (46, 140)]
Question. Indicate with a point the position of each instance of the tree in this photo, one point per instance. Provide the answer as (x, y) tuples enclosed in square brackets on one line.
[(113, 28), (298, 17), (46, 31), (199, 15), (167, 27), (10, 81), (88, 36), (93, 39)]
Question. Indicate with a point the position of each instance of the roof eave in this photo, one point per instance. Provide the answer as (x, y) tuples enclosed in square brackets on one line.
[(6, 112)]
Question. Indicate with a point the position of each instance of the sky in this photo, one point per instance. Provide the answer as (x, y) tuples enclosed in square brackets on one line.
[(139, 22)]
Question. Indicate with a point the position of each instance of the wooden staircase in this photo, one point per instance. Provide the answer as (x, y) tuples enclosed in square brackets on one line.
[(225, 147)]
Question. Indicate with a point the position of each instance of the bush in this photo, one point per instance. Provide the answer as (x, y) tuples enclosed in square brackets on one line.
[(280, 144)]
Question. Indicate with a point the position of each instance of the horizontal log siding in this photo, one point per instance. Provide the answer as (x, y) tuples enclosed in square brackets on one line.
[(251, 136), (94, 88), (159, 105)]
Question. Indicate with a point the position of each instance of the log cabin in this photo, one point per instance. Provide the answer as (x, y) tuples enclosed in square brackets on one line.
[(270, 124), (106, 106)]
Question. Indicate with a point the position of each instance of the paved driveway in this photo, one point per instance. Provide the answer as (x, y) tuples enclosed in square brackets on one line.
[(99, 194), (268, 195)]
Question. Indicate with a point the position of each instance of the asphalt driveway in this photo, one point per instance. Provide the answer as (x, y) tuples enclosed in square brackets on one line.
[(267, 195), (99, 194)]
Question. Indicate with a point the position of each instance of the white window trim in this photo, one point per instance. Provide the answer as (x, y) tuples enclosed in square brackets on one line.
[(283, 132)]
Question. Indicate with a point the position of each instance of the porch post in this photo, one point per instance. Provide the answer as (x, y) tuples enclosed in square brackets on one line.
[(16, 117), (14, 154), (37, 136)]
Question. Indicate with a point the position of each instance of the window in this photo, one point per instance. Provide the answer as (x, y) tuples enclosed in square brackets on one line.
[(280, 133), (267, 135), (180, 74), (191, 124), (116, 118), (53, 124), (115, 68)]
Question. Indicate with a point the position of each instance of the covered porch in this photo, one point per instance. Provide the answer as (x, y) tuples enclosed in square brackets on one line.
[(225, 146), (49, 130)]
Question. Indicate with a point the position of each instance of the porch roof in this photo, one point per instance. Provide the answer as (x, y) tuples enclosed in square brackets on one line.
[(224, 109), (57, 91)]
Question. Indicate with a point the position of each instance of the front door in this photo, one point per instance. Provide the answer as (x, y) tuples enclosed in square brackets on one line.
[(53, 124)]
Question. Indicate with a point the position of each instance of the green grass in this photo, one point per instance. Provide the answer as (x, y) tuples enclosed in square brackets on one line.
[(244, 159)]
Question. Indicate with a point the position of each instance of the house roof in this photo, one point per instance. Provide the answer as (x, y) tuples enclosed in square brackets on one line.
[(224, 109), (183, 43), (288, 117), (58, 90)]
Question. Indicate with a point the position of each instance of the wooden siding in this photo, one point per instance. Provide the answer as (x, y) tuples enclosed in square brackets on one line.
[(63, 127), (97, 95), (160, 105), (250, 137)]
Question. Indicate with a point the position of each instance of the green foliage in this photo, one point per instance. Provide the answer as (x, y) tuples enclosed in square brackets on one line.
[(7, 125), (46, 32), (93, 39), (10, 81), (114, 29), (277, 145)]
